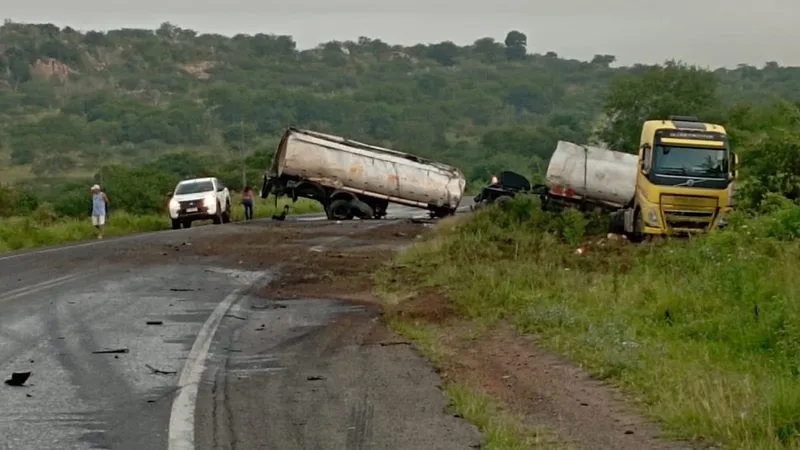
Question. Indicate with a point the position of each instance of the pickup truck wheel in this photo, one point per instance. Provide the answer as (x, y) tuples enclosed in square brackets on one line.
[(340, 210), (217, 219), (226, 216), (176, 224), (187, 224)]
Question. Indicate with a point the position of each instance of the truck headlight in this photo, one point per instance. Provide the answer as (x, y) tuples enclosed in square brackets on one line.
[(652, 217)]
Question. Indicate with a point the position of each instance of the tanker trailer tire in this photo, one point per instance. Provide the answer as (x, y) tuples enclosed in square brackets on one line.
[(340, 210), (363, 210)]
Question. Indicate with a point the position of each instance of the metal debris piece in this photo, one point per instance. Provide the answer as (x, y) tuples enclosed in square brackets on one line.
[(18, 378)]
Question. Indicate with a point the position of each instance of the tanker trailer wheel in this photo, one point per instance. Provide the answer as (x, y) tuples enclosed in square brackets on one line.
[(340, 210)]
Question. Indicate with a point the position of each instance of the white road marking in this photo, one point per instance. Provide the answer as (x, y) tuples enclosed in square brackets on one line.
[(26, 290), (181, 421)]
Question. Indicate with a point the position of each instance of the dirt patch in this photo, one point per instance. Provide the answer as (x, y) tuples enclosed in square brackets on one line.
[(544, 389), (429, 307)]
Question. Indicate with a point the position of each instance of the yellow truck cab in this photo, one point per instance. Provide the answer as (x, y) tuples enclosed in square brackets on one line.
[(684, 182)]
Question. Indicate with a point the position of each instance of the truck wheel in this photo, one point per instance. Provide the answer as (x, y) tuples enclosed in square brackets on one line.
[(363, 210), (502, 200), (226, 216), (340, 210), (176, 224), (187, 224), (217, 219)]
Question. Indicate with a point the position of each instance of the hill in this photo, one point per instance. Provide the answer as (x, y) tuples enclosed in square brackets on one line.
[(71, 102)]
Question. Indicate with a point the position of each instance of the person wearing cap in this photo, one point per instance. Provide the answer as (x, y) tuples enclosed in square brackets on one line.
[(99, 202)]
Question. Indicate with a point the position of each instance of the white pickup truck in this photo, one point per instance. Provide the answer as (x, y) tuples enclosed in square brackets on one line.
[(199, 199)]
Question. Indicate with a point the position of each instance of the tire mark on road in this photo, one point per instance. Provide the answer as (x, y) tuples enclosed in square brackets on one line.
[(181, 422), (32, 289)]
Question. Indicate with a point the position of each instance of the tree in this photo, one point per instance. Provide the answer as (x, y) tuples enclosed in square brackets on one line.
[(603, 60), (661, 91), (444, 53), (516, 45)]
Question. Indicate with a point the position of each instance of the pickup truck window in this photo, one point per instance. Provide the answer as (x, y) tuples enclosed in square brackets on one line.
[(194, 187)]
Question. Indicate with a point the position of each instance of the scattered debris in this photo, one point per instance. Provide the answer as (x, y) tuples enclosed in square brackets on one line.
[(268, 306), (18, 378), (282, 215), (155, 322), (387, 343), (161, 372), (234, 316), (181, 289), (113, 350), (315, 378)]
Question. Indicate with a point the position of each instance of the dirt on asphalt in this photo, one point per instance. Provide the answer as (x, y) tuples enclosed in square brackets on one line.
[(359, 385)]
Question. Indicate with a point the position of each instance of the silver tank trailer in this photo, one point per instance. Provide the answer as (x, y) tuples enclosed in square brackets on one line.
[(360, 168), (599, 175)]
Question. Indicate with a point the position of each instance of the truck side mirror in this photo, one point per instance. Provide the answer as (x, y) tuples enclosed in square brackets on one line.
[(643, 158), (735, 165)]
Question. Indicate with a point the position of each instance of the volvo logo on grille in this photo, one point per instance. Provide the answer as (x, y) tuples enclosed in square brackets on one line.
[(690, 182)]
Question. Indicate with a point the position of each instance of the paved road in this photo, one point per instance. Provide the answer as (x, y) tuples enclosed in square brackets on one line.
[(60, 306)]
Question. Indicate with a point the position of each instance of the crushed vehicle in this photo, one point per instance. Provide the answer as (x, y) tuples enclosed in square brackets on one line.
[(353, 179), (199, 199), (508, 184)]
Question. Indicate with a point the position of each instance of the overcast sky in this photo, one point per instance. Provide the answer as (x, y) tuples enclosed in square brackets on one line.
[(705, 32)]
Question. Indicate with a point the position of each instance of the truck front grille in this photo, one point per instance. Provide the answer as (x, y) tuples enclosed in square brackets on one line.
[(689, 220), (186, 204)]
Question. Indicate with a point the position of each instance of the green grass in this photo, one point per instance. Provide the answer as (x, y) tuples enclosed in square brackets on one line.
[(704, 332), (44, 228), (501, 430)]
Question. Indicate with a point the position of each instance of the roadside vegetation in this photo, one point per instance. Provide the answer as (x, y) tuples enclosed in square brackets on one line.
[(45, 227)]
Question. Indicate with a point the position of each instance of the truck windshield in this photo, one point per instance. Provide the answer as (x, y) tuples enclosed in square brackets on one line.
[(194, 187), (690, 161)]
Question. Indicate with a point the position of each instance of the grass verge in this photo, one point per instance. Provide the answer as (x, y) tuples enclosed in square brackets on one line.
[(705, 332), (501, 430), (44, 228)]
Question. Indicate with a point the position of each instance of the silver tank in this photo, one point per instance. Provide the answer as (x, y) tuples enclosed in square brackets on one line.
[(598, 174), (353, 166)]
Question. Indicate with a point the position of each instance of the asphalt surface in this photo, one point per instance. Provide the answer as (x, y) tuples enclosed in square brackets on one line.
[(211, 371)]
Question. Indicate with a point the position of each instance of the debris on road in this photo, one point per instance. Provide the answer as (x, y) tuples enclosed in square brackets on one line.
[(268, 306), (388, 343), (161, 372), (234, 316), (18, 378), (113, 350), (181, 289), (155, 322), (315, 378)]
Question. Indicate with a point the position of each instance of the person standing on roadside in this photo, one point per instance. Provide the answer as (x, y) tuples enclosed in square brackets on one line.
[(247, 202), (99, 203)]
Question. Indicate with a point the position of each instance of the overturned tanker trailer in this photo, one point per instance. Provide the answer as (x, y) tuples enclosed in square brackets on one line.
[(592, 177), (352, 179)]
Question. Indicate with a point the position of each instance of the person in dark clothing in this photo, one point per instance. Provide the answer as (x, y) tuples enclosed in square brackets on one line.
[(247, 202)]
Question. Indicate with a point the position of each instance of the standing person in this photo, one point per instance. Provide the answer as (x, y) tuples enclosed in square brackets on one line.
[(99, 203), (247, 201)]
